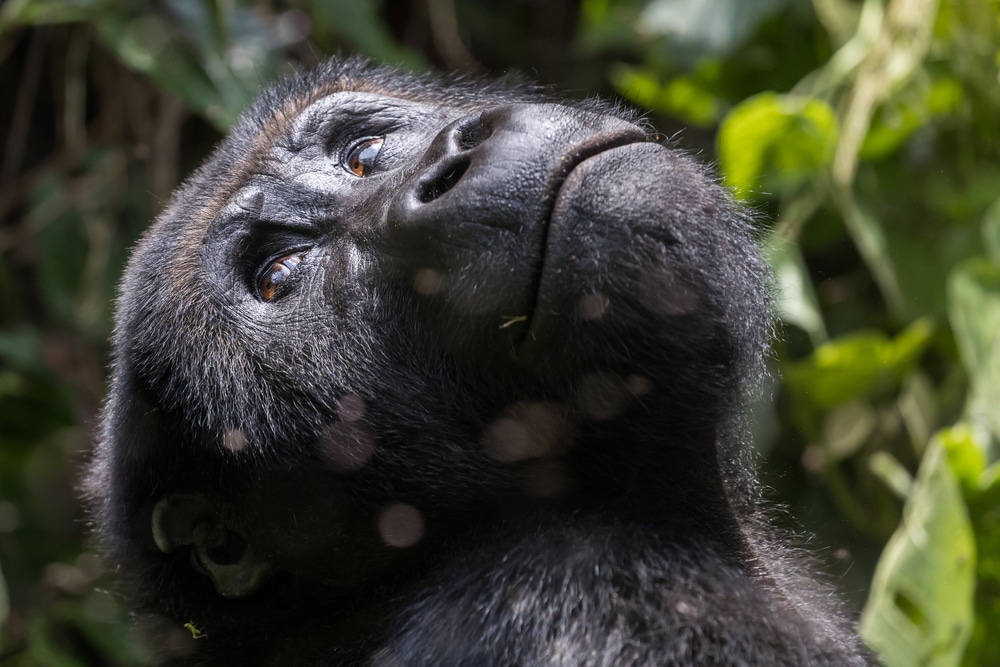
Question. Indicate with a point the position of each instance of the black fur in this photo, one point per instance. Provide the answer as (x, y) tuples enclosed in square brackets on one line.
[(492, 416)]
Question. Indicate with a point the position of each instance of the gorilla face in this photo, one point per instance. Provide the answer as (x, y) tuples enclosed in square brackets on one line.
[(394, 321)]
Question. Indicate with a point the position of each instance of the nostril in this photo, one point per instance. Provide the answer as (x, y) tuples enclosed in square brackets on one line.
[(438, 186), (473, 134)]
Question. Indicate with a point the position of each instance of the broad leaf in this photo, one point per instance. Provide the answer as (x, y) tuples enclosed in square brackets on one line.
[(855, 365), (780, 136), (920, 610), (974, 291)]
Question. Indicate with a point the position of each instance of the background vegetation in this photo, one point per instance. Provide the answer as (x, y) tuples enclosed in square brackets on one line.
[(864, 131)]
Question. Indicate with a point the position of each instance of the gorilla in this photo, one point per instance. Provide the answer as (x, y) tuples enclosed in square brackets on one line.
[(421, 370)]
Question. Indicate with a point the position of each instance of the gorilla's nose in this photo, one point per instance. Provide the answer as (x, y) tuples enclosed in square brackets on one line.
[(450, 154), (498, 170)]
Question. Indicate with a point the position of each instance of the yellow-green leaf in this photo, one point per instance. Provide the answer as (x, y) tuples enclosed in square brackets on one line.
[(920, 609), (783, 136), (974, 310), (855, 365)]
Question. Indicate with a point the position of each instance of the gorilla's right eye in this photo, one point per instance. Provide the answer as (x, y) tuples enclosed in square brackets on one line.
[(360, 158), (278, 272)]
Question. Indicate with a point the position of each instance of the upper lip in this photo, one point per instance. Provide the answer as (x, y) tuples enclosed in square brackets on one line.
[(587, 149)]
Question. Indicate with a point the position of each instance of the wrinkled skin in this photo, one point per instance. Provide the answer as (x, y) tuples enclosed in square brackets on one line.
[(424, 372)]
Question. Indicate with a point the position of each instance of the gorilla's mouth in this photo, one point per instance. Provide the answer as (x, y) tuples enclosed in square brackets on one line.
[(543, 311)]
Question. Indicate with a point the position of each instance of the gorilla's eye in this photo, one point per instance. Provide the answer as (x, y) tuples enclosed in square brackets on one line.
[(275, 274), (361, 157)]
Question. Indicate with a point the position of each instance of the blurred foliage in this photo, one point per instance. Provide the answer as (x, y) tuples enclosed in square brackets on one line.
[(863, 131)]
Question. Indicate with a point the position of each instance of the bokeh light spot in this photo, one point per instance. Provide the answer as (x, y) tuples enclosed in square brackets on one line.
[(351, 408), (529, 431), (347, 446), (668, 293), (639, 385), (592, 306), (427, 282), (235, 440), (401, 525)]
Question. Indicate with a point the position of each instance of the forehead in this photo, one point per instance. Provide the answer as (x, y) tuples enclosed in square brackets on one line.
[(328, 115)]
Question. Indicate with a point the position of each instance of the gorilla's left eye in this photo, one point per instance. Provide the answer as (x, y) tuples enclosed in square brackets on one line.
[(278, 272), (361, 157)]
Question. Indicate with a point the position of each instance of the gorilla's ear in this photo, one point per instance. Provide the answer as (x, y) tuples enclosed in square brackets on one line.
[(218, 551)]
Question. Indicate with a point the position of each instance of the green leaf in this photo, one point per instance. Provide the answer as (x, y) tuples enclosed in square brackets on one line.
[(900, 117), (920, 609), (984, 649), (846, 428), (889, 129), (685, 97), (892, 473), (778, 136), (638, 85), (965, 457), (856, 365), (214, 58), (143, 45), (981, 488), (20, 13), (974, 309), (211, 54)]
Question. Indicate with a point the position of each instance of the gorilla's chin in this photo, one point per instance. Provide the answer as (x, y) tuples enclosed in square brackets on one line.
[(605, 202)]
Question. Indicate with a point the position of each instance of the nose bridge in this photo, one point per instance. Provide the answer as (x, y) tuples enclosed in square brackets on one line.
[(459, 136), (448, 157), (543, 121)]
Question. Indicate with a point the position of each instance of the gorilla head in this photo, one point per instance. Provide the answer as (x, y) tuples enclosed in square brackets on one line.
[(421, 371)]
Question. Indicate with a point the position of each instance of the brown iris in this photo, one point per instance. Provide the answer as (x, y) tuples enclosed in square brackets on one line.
[(277, 273), (362, 156)]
